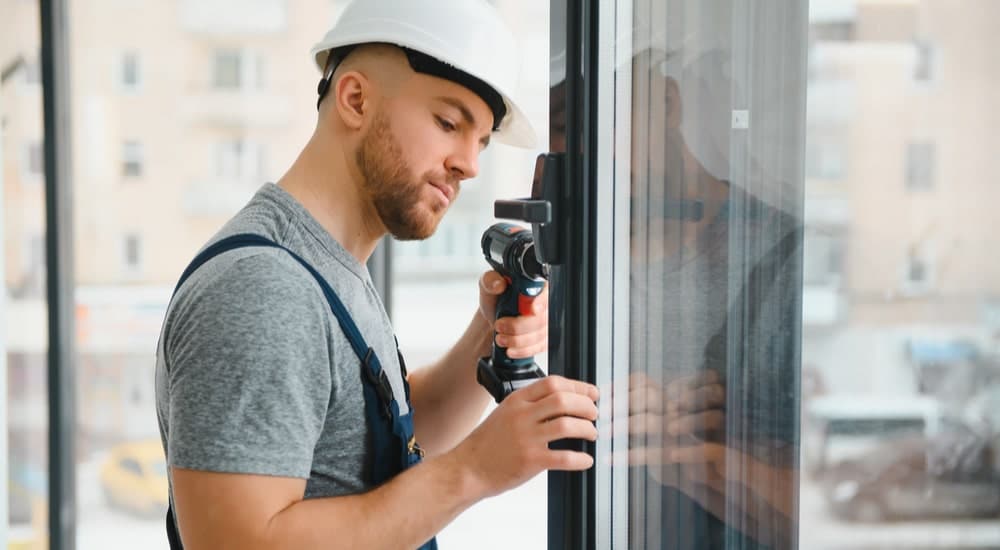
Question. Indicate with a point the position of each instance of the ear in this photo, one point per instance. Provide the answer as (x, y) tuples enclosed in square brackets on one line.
[(352, 99)]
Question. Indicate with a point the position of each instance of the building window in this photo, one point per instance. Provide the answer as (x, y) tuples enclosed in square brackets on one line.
[(823, 257), (34, 162), (833, 31), (34, 255), (237, 70), (33, 72), (131, 74), (240, 160), (918, 272), (920, 166), (132, 159), (926, 59), (132, 252), (824, 159), (227, 69)]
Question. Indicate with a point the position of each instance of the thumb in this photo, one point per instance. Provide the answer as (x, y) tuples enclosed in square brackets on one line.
[(492, 283)]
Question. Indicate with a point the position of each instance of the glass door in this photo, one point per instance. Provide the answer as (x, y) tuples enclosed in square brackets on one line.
[(682, 125)]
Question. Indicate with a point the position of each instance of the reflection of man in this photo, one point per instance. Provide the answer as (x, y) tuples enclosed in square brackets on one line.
[(712, 401), (286, 414)]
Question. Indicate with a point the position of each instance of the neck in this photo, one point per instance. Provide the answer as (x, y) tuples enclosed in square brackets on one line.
[(326, 181)]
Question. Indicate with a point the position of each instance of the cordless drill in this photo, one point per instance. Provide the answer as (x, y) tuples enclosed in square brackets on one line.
[(510, 250)]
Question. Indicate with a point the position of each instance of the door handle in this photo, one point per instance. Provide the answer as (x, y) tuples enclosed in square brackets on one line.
[(542, 210)]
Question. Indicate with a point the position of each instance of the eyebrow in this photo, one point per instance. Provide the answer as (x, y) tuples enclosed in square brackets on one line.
[(466, 114)]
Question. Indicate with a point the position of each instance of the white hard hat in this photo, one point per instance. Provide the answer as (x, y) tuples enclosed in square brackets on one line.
[(467, 35)]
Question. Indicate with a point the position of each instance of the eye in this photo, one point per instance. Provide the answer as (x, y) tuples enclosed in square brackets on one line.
[(446, 125)]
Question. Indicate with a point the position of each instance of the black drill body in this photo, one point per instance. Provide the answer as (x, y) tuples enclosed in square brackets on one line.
[(510, 250)]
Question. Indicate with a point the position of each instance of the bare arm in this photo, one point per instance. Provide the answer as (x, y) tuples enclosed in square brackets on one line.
[(447, 400), (248, 512)]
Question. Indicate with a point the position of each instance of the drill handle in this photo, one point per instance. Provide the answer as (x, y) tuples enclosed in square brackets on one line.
[(515, 301)]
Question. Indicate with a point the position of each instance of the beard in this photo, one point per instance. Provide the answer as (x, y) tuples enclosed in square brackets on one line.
[(394, 191)]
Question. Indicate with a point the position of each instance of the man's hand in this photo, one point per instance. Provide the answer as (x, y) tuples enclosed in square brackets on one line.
[(523, 336), (512, 445)]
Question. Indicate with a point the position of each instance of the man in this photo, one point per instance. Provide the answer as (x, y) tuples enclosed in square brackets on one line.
[(282, 428)]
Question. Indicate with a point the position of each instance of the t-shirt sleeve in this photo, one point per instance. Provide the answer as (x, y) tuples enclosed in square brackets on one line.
[(248, 369)]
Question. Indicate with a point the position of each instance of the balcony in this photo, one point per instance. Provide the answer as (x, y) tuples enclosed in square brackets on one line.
[(234, 16)]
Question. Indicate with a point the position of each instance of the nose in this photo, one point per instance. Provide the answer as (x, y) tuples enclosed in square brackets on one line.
[(463, 162)]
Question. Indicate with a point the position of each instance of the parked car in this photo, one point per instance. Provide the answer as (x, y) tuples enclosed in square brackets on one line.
[(134, 478), (839, 428), (950, 475)]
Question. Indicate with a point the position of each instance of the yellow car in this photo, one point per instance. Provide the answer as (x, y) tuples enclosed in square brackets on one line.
[(134, 478)]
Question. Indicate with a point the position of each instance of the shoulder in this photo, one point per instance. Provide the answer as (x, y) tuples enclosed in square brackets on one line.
[(246, 291)]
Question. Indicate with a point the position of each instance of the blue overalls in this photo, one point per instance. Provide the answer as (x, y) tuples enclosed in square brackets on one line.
[(394, 446)]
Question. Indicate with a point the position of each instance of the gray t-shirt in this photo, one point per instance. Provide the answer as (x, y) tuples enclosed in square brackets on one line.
[(253, 373)]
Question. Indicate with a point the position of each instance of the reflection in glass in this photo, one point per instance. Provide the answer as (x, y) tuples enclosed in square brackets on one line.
[(713, 134)]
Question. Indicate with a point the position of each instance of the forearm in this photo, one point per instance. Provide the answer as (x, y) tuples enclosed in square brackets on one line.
[(403, 513), (447, 400)]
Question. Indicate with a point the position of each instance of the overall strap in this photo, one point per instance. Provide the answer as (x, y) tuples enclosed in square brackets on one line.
[(393, 441)]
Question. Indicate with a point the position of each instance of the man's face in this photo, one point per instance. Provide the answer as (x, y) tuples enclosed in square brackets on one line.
[(418, 148)]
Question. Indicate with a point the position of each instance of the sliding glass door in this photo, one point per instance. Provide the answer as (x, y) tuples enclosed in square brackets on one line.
[(682, 123)]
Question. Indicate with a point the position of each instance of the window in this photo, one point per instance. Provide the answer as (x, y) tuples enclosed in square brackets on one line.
[(918, 272), (227, 69), (34, 161), (823, 258), (32, 72), (132, 159), (132, 252), (920, 166), (240, 160), (131, 74), (825, 159), (926, 58), (836, 31), (234, 69)]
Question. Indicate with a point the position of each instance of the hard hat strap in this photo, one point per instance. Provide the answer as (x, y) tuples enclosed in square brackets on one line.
[(424, 64)]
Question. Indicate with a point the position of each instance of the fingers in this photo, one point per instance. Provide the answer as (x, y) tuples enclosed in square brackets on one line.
[(714, 420), (698, 454), (566, 404), (526, 345), (568, 461), (645, 397), (692, 382), (705, 397), (492, 283), (540, 305), (552, 384), (567, 427), (645, 424), (525, 335)]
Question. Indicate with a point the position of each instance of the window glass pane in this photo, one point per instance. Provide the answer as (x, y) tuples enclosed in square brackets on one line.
[(227, 70), (132, 159), (435, 282), (197, 143), (23, 306), (710, 154), (130, 71), (899, 350)]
